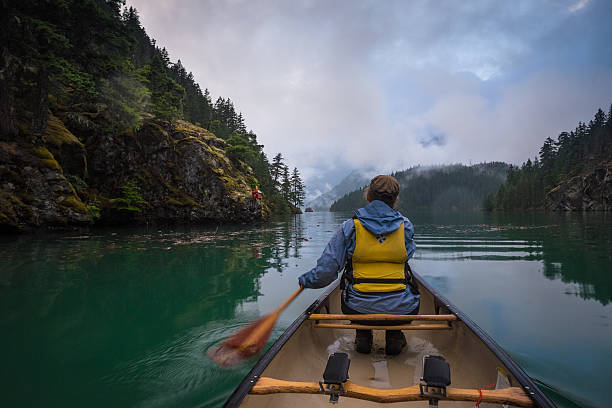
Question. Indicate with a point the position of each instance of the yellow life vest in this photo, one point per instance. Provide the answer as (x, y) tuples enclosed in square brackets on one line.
[(377, 259)]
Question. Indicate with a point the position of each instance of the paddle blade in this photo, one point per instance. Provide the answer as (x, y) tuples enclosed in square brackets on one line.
[(244, 344)]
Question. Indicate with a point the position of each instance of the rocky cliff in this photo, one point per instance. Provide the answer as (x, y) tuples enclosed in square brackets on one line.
[(589, 191), (164, 172)]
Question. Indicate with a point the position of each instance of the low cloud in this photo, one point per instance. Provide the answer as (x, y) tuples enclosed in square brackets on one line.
[(580, 4), (433, 137), (362, 84)]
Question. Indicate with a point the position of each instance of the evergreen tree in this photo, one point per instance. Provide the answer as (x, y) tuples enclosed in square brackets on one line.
[(285, 187), (297, 189), (572, 153), (548, 155), (276, 168)]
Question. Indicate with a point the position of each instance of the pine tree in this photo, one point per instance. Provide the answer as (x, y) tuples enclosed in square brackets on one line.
[(571, 154), (285, 187), (276, 168), (241, 128), (547, 153), (297, 189), (600, 119)]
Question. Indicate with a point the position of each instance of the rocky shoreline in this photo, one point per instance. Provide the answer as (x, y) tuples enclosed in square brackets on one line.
[(164, 172), (589, 191)]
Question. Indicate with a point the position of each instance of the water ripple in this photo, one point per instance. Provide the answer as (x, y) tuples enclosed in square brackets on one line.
[(451, 247), (177, 371)]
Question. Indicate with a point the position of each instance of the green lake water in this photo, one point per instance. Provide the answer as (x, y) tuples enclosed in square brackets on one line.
[(122, 317)]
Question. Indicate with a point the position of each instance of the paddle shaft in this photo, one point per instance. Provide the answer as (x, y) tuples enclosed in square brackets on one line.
[(284, 305), (250, 340), (264, 326)]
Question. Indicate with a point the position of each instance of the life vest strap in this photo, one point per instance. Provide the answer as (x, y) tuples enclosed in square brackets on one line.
[(378, 280), (347, 276)]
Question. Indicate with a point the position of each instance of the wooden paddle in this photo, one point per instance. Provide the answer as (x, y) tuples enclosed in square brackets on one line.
[(250, 340)]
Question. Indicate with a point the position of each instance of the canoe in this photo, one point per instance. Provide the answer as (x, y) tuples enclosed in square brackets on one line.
[(288, 374)]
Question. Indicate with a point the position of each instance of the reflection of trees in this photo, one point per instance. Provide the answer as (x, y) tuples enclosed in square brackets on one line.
[(575, 247), (290, 239), (297, 236), (141, 273), (279, 252), (581, 255), (76, 303)]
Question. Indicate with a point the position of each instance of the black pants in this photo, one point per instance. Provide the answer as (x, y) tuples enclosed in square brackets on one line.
[(394, 339)]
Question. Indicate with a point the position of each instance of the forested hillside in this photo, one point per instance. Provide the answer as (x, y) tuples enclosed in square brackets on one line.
[(453, 187), (573, 172), (96, 123)]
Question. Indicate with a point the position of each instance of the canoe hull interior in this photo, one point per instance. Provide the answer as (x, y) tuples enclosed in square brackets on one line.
[(304, 355)]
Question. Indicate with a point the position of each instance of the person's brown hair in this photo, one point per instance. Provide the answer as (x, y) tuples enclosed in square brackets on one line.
[(383, 188)]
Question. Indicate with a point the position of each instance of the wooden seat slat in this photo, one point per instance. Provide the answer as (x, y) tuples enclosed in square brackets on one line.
[(513, 396), (319, 316), (393, 327)]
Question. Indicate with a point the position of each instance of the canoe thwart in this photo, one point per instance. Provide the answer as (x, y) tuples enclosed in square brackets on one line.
[(441, 326), (320, 316), (514, 396)]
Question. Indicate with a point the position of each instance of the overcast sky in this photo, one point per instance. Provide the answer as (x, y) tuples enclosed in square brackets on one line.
[(385, 85)]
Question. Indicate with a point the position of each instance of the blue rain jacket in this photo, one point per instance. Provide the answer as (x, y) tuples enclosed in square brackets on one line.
[(378, 218)]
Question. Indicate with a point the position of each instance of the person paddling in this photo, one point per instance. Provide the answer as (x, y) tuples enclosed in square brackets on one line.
[(373, 248)]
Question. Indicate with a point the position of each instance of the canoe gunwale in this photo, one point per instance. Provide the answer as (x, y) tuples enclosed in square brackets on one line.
[(525, 381)]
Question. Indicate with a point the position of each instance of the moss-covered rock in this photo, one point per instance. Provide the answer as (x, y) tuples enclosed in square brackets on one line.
[(589, 191), (74, 203), (67, 149), (181, 170), (183, 173), (34, 191)]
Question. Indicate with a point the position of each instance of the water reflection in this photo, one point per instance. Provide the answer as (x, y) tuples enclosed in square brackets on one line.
[(123, 317), (537, 283), (576, 248), (114, 314)]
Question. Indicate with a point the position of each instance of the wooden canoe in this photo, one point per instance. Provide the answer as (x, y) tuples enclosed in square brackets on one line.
[(288, 374)]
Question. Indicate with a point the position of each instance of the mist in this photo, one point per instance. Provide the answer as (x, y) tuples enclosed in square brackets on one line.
[(344, 85)]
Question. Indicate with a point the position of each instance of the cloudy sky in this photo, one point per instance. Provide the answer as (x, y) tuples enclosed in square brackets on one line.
[(385, 85)]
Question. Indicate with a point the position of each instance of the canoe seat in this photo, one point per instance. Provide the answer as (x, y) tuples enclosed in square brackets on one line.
[(429, 319)]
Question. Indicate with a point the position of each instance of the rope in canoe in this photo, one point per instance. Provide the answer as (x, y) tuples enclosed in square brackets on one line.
[(480, 392)]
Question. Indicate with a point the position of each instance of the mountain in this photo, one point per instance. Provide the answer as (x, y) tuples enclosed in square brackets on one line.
[(356, 179), (450, 187)]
